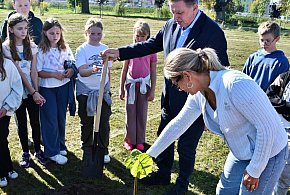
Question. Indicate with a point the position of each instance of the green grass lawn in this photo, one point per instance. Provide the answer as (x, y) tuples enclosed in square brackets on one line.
[(211, 152)]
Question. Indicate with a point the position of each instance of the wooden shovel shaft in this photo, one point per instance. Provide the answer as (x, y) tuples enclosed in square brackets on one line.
[(101, 95)]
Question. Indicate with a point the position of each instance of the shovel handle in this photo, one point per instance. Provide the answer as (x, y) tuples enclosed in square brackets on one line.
[(101, 95)]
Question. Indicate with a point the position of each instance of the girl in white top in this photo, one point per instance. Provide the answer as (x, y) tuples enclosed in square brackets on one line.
[(19, 48), (10, 100), (54, 65), (89, 63), (237, 109)]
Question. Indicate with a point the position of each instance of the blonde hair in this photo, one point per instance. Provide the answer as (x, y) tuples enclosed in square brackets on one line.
[(143, 28), (269, 27), (185, 59), (93, 22)]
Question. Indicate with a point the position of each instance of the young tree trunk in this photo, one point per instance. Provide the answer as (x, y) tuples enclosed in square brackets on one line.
[(85, 7)]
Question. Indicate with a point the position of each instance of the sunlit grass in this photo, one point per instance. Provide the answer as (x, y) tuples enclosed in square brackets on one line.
[(211, 152)]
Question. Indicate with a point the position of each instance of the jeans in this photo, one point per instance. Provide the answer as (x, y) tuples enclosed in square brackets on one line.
[(283, 183), (53, 119), (231, 180)]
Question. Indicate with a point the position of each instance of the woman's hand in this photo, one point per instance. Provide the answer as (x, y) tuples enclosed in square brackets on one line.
[(250, 182)]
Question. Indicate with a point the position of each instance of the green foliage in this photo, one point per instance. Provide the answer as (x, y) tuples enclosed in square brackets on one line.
[(258, 7), (208, 4), (140, 164), (8, 4), (163, 12), (119, 8)]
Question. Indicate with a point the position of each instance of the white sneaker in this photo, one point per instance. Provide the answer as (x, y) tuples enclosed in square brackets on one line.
[(59, 159), (63, 152), (12, 174), (3, 182), (107, 158)]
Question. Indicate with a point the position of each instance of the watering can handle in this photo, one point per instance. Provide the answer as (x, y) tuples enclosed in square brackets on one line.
[(101, 95)]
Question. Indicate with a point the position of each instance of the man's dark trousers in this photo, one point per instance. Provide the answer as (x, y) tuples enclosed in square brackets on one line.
[(187, 143)]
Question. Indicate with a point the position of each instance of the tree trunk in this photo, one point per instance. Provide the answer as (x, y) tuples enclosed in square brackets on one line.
[(220, 16), (85, 7), (219, 8)]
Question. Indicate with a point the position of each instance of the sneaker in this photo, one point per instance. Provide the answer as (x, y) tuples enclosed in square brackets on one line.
[(107, 158), (3, 182), (140, 147), (40, 157), (63, 152), (24, 162), (128, 146), (59, 159), (12, 174), (156, 179)]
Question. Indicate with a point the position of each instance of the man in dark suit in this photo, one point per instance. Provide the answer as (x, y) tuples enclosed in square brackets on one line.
[(191, 28)]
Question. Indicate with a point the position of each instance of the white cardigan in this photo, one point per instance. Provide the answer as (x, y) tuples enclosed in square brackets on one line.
[(246, 120), (11, 88)]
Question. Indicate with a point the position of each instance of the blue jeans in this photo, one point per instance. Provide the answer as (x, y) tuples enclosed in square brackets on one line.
[(53, 119), (283, 183), (231, 181)]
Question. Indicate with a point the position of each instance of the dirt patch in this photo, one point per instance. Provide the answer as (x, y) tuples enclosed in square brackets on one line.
[(79, 189)]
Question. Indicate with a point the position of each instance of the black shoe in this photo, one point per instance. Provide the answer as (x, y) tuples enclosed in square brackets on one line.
[(176, 190), (156, 179)]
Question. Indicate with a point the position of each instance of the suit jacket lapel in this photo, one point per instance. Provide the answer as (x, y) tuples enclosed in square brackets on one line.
[(174, 36), (196, 29)]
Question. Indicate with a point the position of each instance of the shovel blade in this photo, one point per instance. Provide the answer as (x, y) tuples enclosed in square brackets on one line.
[(93, 162)]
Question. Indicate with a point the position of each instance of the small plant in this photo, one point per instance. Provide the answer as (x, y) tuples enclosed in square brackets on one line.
[(140, 165)]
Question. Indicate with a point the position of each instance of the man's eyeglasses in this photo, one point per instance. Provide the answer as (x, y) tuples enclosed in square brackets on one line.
[(267, 41)]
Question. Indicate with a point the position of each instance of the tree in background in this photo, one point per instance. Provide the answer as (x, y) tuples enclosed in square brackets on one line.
[(233, 7), (284, 7), (85, 6), (258, 7), (101, 3), (159, 3), (275, 11)]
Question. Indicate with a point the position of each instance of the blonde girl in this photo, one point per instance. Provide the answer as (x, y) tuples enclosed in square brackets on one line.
[(89, 63), (19, 48), (138, 78), (55, 85)]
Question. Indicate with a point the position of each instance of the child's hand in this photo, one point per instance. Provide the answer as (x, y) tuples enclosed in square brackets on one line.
[(59, 75), (38, 99), (3, 112), (68, 73), (121, 93), (95, 69), (151, 95)]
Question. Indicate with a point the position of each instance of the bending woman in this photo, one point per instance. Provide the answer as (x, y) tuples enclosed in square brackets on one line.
[(234, 107)]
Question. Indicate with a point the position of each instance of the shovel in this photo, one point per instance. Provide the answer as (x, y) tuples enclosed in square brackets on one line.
[(93, 157)]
